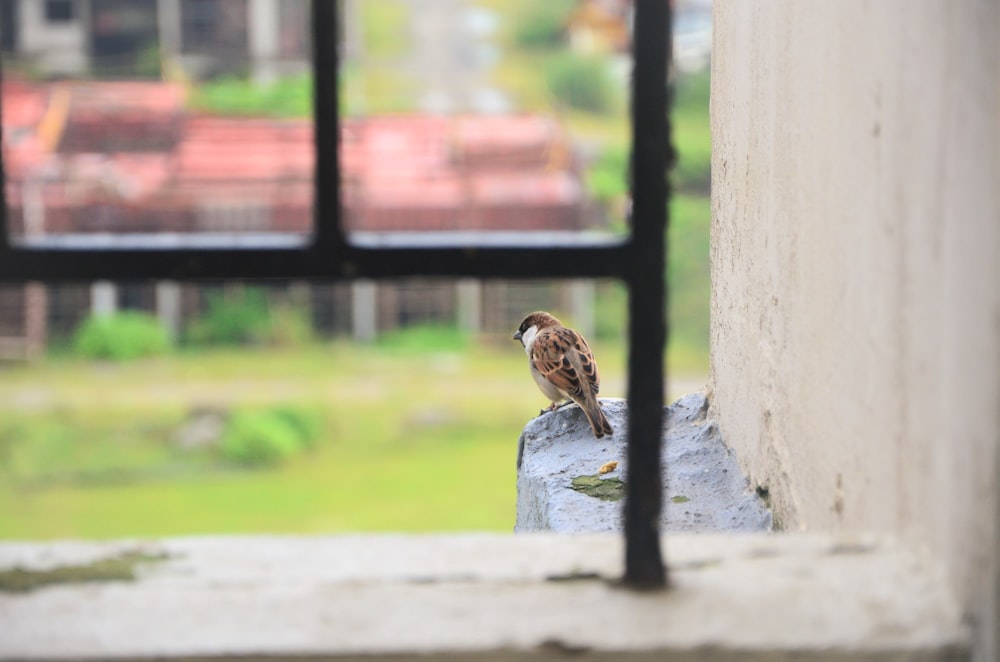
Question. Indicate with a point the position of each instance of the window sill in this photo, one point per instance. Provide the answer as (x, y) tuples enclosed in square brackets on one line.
[(480, 596)]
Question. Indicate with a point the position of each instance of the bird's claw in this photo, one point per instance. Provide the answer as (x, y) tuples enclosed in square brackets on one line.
[(555, 407)]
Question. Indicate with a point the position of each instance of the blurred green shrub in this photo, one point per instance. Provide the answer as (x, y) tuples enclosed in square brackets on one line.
[(233, 95), (307, 423), (607, 177), (426, 337), (147, 65), (584, 82), (263, 438), (543, 24), (96, 444), (692, 135), (234, 318), (288, 326), (121, 336), (246, 317)]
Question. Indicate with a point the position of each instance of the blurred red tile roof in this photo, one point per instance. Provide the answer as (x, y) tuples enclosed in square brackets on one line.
[(23, 104), (133, 150)]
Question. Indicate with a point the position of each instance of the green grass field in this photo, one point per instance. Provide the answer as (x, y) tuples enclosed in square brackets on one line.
[(412, 439), (406, 444)]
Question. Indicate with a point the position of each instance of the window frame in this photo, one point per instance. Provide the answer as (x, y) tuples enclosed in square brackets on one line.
[(331, 254)]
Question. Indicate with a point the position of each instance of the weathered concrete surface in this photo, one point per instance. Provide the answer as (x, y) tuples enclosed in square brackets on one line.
[(855, 266), (704, 487), (469, 597)]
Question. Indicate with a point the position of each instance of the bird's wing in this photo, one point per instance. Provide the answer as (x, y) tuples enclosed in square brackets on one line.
[(562, 356)]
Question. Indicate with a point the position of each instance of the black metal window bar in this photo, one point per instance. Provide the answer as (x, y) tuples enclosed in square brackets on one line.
[(330, 253)]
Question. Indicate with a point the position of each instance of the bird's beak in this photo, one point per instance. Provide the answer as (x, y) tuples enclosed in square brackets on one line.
[(517, 335)]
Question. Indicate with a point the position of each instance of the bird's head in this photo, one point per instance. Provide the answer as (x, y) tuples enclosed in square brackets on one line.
[(532, 324)]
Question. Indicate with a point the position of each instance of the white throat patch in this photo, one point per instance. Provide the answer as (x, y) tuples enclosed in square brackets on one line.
[(528, 338)]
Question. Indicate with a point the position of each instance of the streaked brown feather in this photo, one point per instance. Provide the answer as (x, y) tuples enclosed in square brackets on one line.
[(551, 356), (560, 358)]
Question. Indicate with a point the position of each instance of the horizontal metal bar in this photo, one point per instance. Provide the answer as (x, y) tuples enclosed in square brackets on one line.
[(468, 260), (524, 262)]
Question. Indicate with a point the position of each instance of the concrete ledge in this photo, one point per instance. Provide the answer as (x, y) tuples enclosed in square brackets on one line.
[(704, 489), (483, 597)]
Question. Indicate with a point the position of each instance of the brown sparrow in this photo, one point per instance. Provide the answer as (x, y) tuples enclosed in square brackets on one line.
[(563, 366)]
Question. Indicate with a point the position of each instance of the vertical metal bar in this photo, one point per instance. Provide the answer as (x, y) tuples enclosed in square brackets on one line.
[(328, 238), (644, 566), (4, 216)]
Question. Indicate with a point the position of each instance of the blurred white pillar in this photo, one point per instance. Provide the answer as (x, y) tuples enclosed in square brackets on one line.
[(470, 305), (35, 319), (581, 303), (364, 310), (264, 25), (353, 30), (168, 307), (33, 206), (169, 21), (300, 294), (103, 298)]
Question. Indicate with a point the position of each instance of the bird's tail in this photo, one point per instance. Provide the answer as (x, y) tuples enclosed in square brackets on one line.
[(595, 416)]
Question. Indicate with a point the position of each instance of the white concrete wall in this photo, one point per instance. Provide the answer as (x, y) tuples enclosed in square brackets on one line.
[(856, 270), (61, 48)]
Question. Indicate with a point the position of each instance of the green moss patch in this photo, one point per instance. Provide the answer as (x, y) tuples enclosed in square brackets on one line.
[(121, 568), (605, 489)]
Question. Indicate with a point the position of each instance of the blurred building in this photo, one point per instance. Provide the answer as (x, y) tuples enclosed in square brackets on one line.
[(199, 38), (127, 157), (600, 26)]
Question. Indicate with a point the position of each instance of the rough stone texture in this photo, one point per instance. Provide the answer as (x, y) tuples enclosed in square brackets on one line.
[(704, 487), (477, 597)]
